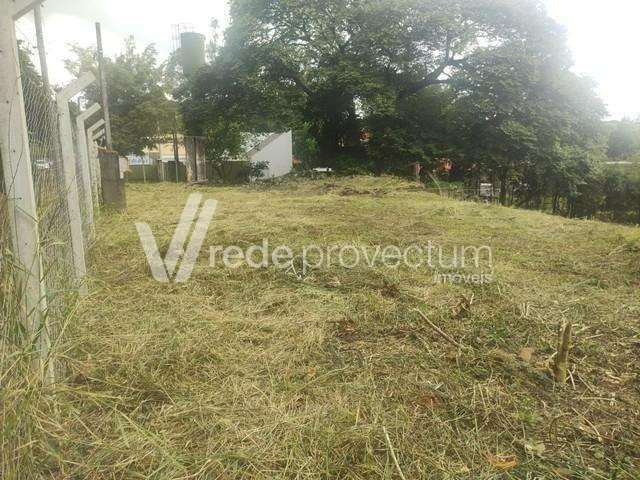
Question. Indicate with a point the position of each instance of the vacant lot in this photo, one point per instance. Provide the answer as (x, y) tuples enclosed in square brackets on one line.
[(263, 374)]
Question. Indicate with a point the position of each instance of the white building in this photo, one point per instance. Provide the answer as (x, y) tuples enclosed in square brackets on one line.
[(276, 149)]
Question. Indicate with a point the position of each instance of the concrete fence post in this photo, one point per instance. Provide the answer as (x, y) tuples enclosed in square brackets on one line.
[(99, 134), (91, 139), (70, 173), (18, 184), (87, 167)]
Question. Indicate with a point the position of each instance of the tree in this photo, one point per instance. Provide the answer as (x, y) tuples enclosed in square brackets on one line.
[(140, 108), (226, 100), (624, 141), (524, 118), (416, 130), (621, 191)]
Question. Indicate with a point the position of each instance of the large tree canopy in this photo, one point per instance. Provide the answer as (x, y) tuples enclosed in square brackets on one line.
[(328, 60), (518, 116), (624, 141)]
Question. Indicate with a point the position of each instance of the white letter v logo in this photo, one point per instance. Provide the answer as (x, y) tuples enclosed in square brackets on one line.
[(163, 270)]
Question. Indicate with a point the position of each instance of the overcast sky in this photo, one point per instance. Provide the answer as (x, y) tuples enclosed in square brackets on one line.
[(602, 34)]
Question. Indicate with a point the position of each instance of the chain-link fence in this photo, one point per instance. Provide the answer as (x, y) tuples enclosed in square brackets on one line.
[(51, 198)]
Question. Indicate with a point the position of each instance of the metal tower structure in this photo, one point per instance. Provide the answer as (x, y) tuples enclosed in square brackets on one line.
[(176, 33)]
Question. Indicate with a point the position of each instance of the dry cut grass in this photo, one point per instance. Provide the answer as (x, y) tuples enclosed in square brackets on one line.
[(258, 374)]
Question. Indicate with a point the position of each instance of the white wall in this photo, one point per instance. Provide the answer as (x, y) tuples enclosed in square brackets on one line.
[(279, 154)]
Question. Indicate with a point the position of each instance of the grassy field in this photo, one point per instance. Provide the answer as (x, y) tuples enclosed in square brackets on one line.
[(261, 374)]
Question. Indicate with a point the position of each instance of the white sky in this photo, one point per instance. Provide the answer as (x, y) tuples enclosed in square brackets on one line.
[(602, 34), (149, 21)]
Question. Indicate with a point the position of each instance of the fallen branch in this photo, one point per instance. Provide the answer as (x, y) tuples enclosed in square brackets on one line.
[(440, 332)]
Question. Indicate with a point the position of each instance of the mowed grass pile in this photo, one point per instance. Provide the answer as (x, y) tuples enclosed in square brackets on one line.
[(259, 374)]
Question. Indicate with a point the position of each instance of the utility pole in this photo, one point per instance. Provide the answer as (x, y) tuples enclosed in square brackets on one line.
[(103, 86)]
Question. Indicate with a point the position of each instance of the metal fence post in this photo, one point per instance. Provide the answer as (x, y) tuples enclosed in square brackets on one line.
[(87, 173), (69, 166), (18, 182)]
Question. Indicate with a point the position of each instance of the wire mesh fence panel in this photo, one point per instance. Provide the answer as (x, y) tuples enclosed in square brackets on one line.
[(51, 196)]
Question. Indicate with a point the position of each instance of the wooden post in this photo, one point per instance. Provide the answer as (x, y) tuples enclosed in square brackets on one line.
[(103, 86), (70, 173), (18, 181)]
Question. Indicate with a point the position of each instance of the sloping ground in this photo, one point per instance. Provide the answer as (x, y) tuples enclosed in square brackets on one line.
[(258, 374)]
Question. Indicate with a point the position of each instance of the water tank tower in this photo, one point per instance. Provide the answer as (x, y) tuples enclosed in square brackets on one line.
[(192, 52)]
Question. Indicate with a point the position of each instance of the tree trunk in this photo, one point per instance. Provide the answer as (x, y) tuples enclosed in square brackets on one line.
[(503, 187), (378, 166), (556, 203)]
